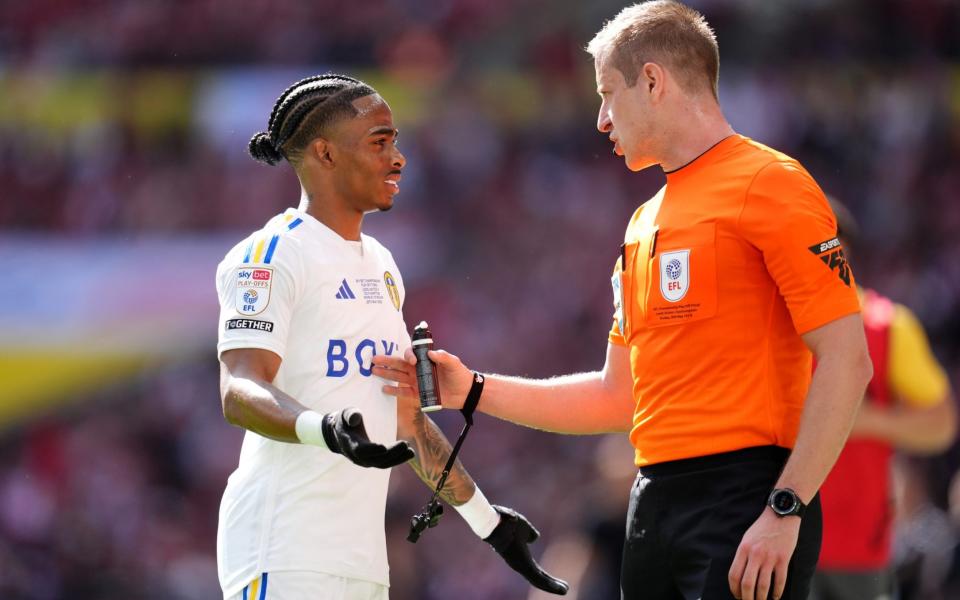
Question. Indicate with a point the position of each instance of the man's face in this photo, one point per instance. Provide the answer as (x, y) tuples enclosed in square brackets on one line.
[(368, 162), (625, 115)]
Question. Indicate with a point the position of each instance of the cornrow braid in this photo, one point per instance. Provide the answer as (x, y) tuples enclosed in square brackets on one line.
[(296, 107), (287, 92), (302, 111)]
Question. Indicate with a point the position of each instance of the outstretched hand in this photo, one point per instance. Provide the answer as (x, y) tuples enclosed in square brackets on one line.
[(345, 434), (454, 377), (511, 539)]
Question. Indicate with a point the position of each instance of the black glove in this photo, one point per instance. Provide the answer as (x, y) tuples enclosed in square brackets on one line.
[(344, 434), (510, 539)]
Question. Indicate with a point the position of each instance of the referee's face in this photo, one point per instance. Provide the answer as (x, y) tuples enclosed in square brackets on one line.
[(625, 115), (369, 164)]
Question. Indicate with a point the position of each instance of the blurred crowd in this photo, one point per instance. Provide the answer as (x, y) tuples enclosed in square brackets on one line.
[(121, 119)]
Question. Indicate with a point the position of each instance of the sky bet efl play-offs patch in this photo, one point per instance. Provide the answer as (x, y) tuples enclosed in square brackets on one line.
[(253, 290)]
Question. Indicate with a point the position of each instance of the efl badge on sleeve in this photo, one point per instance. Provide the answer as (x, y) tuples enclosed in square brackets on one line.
[(392, 290), (253, 290), (674, 275)]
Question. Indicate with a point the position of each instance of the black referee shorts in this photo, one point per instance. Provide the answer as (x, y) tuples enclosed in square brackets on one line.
[(687, 518)]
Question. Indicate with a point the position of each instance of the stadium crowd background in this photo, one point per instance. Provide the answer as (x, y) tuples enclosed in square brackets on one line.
[(124, 125)]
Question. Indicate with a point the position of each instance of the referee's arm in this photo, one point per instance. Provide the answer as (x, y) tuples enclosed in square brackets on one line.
[(843, 370), (584, 403)]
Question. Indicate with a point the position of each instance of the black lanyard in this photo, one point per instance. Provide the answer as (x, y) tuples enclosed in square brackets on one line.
[(431, 513)]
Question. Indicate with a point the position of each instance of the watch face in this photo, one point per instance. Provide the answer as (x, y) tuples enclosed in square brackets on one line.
[(784, 502)]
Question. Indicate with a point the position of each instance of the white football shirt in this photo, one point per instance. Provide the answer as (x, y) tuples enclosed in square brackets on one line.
[(325, 305)]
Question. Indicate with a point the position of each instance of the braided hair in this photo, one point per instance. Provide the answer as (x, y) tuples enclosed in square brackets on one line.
[(301, 113)]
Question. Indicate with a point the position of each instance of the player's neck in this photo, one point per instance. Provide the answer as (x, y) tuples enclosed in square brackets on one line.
[(703, 128), (343, 220)]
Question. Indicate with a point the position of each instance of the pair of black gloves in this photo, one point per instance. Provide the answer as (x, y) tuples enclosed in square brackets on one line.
[(344, 433)]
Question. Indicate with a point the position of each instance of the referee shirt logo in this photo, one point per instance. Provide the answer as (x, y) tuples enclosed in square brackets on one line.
[(674, 275), (831, 253)]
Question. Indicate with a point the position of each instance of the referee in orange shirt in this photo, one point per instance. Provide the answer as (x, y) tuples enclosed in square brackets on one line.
[(729, 281)]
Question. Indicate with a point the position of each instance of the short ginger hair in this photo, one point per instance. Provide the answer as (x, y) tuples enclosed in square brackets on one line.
[(664, 32)]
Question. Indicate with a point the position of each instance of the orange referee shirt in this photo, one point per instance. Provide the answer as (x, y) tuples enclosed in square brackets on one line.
[(719, 275)]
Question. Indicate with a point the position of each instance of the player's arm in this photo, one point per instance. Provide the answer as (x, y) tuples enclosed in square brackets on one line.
[(432, 451), (924, 418), (506, 530), (921, 430), (584, 403), (250, 400)]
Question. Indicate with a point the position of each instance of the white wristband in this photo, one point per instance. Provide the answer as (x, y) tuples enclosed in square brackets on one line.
[(479, 515), (309, 428)]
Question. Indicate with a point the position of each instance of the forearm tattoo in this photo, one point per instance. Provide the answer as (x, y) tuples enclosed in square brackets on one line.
[(433, 451)]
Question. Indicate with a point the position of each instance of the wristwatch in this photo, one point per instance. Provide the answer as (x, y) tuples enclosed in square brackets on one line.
[(785, 502)]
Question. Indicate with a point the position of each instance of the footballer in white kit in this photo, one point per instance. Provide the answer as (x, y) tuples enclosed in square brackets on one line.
[(325, 306), (305, 304)]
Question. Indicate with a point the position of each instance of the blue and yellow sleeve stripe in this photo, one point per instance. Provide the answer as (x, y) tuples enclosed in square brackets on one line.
[(254, 252), (256, 589), (260, 250), (291, 222)]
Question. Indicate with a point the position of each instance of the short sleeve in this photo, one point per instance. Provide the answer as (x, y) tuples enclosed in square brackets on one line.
[(786, 216), (257, 299), (915, 375)]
